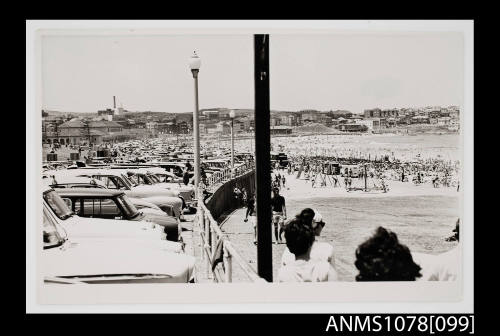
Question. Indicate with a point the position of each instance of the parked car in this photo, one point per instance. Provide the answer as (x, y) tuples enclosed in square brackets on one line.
[(147, 176), (69, 260), (176, 168), (97, 228), (166, 200), (114, 204), (89, 182)]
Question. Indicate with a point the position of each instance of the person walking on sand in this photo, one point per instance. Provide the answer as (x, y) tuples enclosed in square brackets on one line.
[(237, 195), (252, 213), (279, 214)]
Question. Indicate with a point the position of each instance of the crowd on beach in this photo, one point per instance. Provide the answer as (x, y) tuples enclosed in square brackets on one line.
[(436, 171)]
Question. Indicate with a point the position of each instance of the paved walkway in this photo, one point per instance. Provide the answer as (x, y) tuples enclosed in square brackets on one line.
[(241, 235)]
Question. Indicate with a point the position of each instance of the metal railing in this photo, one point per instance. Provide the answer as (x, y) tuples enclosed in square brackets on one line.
[(225, 175), (211, 235)]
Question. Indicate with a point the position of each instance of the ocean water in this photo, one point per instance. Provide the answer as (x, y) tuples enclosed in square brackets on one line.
[(420, 222)]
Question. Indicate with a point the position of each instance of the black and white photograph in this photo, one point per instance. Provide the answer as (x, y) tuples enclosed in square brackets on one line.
[(256, 157)]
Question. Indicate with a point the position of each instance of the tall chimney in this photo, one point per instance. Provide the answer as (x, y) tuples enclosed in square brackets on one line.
[(114, 102)]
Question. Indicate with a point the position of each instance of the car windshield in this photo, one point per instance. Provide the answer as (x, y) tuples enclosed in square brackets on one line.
[(130, 183), (57, 204), (51, 237), (129, 208), (147, 179), (154, 178)]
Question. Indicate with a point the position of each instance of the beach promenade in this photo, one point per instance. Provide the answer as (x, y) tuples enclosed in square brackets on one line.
[(241, 235)]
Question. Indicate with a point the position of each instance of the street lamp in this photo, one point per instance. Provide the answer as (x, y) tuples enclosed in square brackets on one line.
[(231, 115), (194, 65)]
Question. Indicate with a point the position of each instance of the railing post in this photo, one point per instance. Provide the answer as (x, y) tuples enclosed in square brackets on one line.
[(201, 225), (206, 247), (228, 267), (213, 240)]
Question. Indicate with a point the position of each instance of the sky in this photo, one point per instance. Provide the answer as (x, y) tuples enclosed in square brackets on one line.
[(323, 71)]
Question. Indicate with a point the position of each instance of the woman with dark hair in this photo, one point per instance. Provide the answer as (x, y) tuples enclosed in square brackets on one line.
[(306, 215), (320, 250), (299, 240), (383, 258)]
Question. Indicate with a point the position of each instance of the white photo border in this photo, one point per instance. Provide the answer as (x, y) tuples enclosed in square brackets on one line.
[(341, 297)]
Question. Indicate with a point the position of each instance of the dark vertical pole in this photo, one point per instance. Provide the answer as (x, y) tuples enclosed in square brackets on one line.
[(263, 157)]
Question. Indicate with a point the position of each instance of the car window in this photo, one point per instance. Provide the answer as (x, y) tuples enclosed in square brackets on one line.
[(109, 182), (100, 208), (68, 202), (51, 237), (134, 178)]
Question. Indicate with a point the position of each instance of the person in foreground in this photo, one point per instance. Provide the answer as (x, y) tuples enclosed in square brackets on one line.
[(444, 266), (320, 251), (383, 258), (299, 240)]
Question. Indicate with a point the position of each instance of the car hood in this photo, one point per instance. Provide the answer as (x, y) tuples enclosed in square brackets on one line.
[(161, 200), (110, 228), (175, 186), (87, 257), (154, 190), (152, 211), (142, 202), (162, 220)]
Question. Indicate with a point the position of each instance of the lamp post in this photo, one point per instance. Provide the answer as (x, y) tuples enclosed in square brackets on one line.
[(231, 115), (194, 65)]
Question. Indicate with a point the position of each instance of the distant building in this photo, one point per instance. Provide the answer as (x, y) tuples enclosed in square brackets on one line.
[(275, 121), (325, 119), (353, 128), (151, 125), (340, 113), (223, 127), (372, 113), (341, 120), (370, 123), (211, 114), (289, 120), (444, 121), (309, 116), (238, 126), (281, 130), (77, 131), (420, 119), (183, 127)]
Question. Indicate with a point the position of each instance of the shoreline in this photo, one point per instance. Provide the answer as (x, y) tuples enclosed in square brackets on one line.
[(301, 189)]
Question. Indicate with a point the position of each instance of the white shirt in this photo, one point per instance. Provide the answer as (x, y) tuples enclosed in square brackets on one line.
[(307, 271), (441, 267), (320, 251)]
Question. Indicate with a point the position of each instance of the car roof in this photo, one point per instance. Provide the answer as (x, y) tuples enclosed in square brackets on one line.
[(114, 172), (70, 179), (93, 192)]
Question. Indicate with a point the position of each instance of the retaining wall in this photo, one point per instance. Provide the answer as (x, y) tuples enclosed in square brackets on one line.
[(223, 198)]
